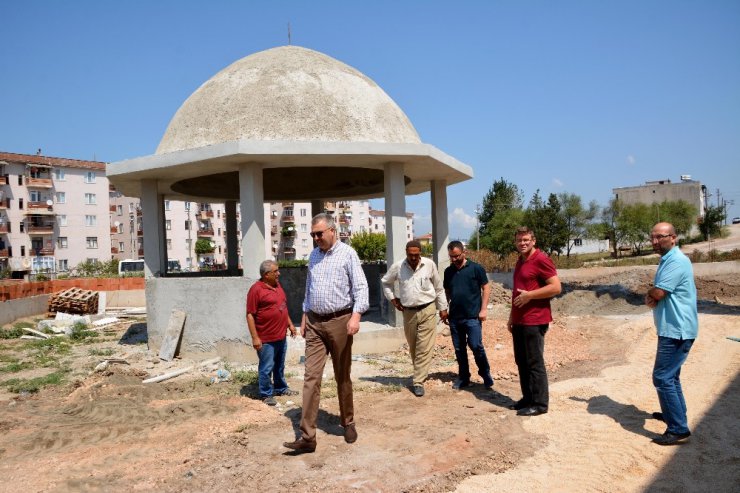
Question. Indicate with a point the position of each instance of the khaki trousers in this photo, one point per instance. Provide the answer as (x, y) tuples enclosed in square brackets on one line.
[(420, 327), (325, 337)]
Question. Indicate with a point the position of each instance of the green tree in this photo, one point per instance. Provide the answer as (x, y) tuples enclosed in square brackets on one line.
[(370, 247), (711, 224), (499, 237), (577, 218), (635, 222), (680, 213), (203, 246), (501, 198), (547, 222), (607, 228)]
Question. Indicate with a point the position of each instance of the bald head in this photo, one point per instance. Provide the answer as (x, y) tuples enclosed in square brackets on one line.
[(663, 238)]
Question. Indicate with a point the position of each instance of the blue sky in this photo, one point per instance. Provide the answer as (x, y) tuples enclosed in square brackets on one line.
[(577, 96)]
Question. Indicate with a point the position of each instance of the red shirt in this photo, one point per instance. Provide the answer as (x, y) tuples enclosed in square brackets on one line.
[(269, 307), (529, 275)]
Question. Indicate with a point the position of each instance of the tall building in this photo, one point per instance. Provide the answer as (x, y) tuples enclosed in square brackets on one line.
[(658, 191), (53, 213)]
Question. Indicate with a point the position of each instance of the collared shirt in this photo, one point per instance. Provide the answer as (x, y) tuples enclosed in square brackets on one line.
[(531, 274), (464, 287), (335, 281), (416, 287), (269, 307), (676, 315)]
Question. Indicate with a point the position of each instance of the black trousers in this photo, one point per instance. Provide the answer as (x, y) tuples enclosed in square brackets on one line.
[(529, 348)]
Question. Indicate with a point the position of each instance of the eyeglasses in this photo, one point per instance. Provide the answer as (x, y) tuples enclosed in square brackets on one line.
[(276, 271), (318, 234), (455, 257), (659, 237)]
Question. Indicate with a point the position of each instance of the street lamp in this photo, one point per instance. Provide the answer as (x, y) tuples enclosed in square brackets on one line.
[(477, 226)]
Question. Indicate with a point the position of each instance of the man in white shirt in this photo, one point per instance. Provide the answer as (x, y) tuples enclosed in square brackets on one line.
[(421, 296)]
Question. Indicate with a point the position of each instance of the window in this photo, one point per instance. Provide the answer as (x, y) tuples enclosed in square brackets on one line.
[(119, 210), (60, 197), (92, 242), (376, 226), (35, 196), (121, 246), (166, 205), (22, 227), (131, 207), (62, 219), (20, 180), (62, 265), (168, 224), (187, 206), (119, 228), (577, 242), (20, 203), (187, 225), (23, 250), (303, 212), (90, 177), (304, 228), (219, 232), (90, 199), (304, 242), (169, 244), (62, 242), (91, 220), (59, 174)]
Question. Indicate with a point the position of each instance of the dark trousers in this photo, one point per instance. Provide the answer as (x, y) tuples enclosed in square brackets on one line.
[(469, 332), (322, 339), (529, 348)]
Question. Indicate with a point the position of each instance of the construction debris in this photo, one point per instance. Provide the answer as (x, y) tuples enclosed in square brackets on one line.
[(36, 333), (74, 301), (176, 373)]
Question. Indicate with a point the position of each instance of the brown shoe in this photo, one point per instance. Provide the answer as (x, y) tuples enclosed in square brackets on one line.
[(301, 446), (350, 433)]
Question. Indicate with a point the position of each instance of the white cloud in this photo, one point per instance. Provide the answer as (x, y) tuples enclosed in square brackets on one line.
[(557, 183), (630, 159), (462, 224)]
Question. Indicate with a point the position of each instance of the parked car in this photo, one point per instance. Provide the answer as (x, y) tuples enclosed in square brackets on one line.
[(736, 220)]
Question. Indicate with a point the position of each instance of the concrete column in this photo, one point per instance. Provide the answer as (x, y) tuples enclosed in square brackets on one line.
[(153, 224), (440, 227), (232, 242), (395, 223), (251, 199), (317, 207)]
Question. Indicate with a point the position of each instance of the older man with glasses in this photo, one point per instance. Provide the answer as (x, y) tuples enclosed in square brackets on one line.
[(336, 297), (673, 300)]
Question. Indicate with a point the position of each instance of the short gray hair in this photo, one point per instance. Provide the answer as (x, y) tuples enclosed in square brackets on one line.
[(327, 218), (266, 266)]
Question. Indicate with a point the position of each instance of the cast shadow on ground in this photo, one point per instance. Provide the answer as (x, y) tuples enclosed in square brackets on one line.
[(711, 307), (136, 334), (613, 291), (327, 422), (708, 461), (627, 416)]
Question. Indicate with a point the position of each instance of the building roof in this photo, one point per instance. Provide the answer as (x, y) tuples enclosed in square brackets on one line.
[(287, 93), (50, 161)]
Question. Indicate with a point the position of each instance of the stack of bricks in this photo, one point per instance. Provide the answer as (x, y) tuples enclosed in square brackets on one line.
[(75, 301)]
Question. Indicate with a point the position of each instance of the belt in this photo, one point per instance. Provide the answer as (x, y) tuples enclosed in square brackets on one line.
[(419, 307), (323, 317)]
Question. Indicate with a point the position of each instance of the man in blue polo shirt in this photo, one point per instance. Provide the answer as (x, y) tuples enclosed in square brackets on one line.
[(467, 289), (673, 300)]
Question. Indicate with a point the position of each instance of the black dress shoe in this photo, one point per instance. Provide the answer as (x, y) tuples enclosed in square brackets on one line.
[(418, 390), (520, 404), (350, 433), (659, 416), (532, 411), (301, 446), (669, 438), (460, 384)]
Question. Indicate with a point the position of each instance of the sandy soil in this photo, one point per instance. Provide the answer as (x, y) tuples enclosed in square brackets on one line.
[(107, 431)]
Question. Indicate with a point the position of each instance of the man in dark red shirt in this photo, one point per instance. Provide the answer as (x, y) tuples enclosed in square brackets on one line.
[(535, 283), (268, 322)]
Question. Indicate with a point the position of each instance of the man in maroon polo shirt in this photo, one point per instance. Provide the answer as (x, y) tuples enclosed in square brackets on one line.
[(535, 283), (268, 322)]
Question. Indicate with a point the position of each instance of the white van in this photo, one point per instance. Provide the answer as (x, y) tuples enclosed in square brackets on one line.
[(130, 266)]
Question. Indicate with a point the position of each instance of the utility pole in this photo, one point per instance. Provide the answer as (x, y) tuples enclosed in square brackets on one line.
[(477, 226)]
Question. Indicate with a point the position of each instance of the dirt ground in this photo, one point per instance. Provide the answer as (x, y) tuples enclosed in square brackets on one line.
[(106, 431)]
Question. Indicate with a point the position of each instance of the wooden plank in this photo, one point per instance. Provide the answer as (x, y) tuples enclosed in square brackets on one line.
[(172, 335)]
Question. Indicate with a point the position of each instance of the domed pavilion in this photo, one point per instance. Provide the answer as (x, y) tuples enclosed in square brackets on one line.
[(284, 124)]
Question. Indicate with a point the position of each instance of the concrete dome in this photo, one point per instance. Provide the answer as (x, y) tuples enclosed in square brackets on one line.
[(287, 94)]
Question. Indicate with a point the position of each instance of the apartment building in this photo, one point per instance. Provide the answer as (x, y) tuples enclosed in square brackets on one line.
[(53, 213), (377, 223)]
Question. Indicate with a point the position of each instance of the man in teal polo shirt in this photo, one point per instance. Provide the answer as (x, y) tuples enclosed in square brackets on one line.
[(673, 300)]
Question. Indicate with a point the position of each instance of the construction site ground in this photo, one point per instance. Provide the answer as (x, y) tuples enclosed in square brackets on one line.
[(104, 430)]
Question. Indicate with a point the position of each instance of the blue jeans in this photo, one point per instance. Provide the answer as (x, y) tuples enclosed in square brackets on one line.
[(469, 332), (272, 366), (670, 355)]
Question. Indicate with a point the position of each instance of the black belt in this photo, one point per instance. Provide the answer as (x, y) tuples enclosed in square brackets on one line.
[(420, 307), (323, 317)]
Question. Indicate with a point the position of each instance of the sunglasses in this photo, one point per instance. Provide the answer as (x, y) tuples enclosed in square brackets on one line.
[(318, 234)]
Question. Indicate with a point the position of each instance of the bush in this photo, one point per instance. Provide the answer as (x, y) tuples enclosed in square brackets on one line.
[(13, 333), (292, 263), (80, 332)]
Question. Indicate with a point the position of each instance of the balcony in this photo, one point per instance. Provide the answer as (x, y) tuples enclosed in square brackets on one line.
[(344, 234), (344, 219), (4, 203), (4, 228), (112, 208), (140, 252), (140, 232), (5, 253), (274, 230), (39, 208), (43, 252), (205, 232), (205, 213), (114, 250), (39, 182), (287, 204), (4, 180), (285, 218), (40, 229)]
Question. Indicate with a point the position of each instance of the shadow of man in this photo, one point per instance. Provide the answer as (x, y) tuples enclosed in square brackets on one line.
[(628, 416)]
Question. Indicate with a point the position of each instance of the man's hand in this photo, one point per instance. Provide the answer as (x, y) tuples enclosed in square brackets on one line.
[(443, 316), (292, 330), (483, 315), (650, 301), (256, 343), (353, 326), (510, 326), (522, 299), (303, 326), (397, 303)]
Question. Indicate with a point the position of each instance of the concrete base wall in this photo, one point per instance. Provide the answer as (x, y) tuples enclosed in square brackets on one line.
[(12, 310)]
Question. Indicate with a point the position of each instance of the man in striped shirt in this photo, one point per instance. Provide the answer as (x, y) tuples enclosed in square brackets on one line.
[(336, 297)]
